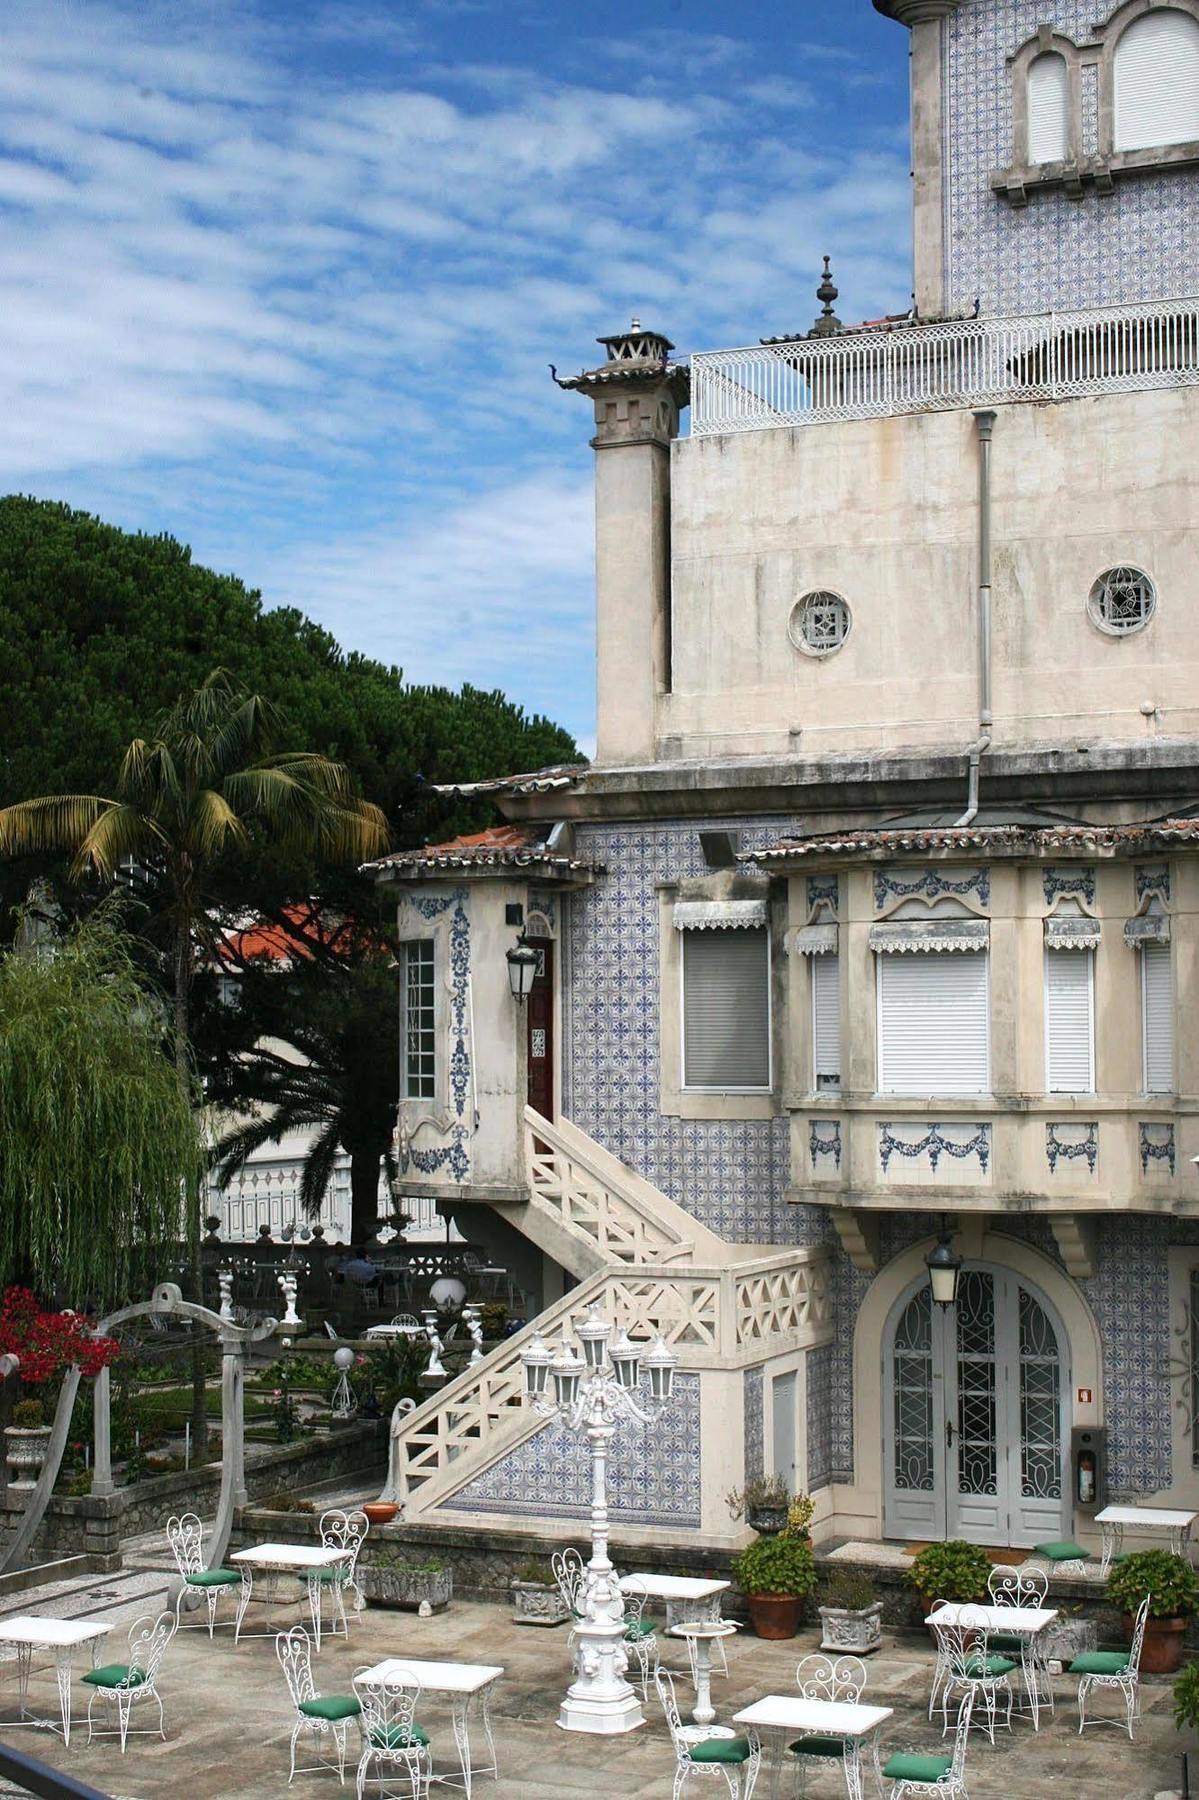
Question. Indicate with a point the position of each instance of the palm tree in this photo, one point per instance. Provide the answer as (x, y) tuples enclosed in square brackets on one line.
[(209, 783), (324, 1062)]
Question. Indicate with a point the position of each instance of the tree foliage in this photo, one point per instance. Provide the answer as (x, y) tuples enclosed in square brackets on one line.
[(97, 1139)]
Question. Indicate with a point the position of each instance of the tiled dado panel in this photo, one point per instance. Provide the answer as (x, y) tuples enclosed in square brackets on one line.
[(755, 1447), (1129, 1297), (730, 1174), (819, 1367), (653, 1471), (1137, 243)]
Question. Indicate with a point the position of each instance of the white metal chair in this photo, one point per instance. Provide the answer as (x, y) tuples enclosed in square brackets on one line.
[(639, 1632), (1113, 1669), (124, 1684), (1027, 1585), (392, 1741), (966, 1665), (708, 1749), (185, 1535), (825, 1678), (316, 1713), (346, 1531), (919, 1774)]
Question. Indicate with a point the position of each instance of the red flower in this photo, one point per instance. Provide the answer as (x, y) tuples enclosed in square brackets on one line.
[(46, 1343)]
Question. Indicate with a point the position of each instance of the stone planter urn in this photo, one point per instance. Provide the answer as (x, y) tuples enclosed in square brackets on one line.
[(25, 1449), (858, 1629), (428, 1590), (537, 1603), (767, 1521)]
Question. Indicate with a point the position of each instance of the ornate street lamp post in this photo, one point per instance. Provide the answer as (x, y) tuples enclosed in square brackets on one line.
[(592, 1395)]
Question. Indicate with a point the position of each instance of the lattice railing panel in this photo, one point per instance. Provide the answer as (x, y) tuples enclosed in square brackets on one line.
[(937, 368), (781, 1301), (618, 1220)]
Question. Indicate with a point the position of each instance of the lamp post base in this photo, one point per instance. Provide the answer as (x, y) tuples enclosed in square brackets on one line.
[(599, 1699), (604, 1716)]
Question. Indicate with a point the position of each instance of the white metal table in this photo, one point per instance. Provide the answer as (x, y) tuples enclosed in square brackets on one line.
[(700, 1635), (304, 1560), (1024, 1622), (63, 1636), (856, 1726), (1114, 1519), (462, 1682), (687, 1598)]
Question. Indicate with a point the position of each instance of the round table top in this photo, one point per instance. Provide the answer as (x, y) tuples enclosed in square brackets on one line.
[(704, 1628)]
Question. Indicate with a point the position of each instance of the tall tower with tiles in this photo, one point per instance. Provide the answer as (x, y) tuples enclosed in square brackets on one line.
[(1055, 152)]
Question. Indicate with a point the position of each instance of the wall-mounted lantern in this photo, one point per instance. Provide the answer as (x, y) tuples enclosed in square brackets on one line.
[(944, 1267), (522, 968)]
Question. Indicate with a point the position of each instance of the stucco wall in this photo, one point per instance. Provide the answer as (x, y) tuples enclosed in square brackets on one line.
[(885, 513)]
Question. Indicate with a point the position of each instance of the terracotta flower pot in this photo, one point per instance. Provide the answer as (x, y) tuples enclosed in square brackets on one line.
[(775, 1615), (1162, 1651), (380, 1512)]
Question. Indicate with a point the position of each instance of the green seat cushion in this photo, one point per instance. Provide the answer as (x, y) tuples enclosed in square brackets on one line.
[(907, 1765), (1099, 1662), (398, 1737), (639, 1629), (330, 1575), (213, 1578), (992, 1668), (1004, 1640), (817, 1746), (113, 1674), (1064, 1551), (720, 1750), (331, 1706)]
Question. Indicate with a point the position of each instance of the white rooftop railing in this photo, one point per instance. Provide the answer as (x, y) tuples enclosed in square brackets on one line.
[(937, 368)]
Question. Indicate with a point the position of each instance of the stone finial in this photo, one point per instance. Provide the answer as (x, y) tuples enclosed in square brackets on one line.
[(828, 324)]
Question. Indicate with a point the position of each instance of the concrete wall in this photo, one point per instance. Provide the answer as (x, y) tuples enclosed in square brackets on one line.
[(885, 513)]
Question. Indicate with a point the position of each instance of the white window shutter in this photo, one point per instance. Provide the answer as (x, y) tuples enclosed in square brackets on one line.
[(933, 1023), (1157, 1012), (726, 1009), (1157, 80), (1048, 109), (826, 1021), (1069, 1022)]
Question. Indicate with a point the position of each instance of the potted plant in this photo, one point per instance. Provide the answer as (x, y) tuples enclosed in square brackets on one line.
[(776, 1575), (1173, 1591), (1186, 1698), (950, 1571), (764, 1502), (26, 1442), (536, 1596), (392, 1580), (851, 1615)]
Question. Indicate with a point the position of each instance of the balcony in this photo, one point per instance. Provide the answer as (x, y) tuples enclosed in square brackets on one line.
[(940, 368)]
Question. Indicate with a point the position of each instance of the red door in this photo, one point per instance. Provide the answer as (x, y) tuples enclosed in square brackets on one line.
[(540, 1025)]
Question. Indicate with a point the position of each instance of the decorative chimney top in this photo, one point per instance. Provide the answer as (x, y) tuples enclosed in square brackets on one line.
[(636, 345), (828, 324), (638, 392)]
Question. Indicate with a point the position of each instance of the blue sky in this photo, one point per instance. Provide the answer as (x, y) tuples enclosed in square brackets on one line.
[(284, 279)]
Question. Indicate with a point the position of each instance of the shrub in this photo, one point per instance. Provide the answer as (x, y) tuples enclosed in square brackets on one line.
[(762, 1490), (776, 1565), (799, 1515), (1186, 1698), (849, 1589), (538, 1572), (283, 1500), (1169, 1581), (953, 1571), (28, 1414)]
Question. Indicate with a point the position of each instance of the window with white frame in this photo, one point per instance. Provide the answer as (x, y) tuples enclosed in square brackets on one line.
[(1069, 1021), (826, 1022), (1156, 80), (726, 1010), (933, 1022), (1048, 108), (418, 1035), (1157, 1018)]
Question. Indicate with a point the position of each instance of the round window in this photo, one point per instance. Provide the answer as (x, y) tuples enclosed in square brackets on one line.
[(1122, 600), (819, 624)]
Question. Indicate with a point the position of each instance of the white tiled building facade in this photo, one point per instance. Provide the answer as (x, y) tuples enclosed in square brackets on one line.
[(877, 917)]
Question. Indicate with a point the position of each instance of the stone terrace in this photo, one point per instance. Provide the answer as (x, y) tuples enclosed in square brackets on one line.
[(228, 1719)]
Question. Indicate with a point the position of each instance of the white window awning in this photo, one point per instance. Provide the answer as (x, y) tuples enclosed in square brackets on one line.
[(816, 940), (902, 935), (1147, 928), (1071, 932), (719, 915)]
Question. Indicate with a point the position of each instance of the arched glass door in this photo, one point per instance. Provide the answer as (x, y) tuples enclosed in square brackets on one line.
[(974, 1399)]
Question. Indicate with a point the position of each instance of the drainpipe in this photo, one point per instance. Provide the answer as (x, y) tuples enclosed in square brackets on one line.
[(984, 422)]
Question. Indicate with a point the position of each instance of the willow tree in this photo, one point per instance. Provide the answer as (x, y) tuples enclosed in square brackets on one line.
[(207, 786), (98, 1140)]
